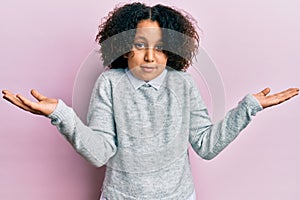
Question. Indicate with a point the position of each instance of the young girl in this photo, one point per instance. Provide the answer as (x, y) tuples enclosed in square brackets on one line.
[(146, 110)]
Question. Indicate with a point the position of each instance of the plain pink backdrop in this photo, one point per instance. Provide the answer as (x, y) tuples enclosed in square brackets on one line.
[(254, 44)]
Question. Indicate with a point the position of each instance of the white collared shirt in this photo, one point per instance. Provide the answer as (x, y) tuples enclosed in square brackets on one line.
[(155, 83)]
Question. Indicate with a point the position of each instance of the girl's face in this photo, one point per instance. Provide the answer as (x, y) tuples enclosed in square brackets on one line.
[(147, 60)]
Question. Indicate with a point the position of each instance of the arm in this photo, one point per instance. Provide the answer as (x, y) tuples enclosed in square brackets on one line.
[(94, 142), (208, 139)]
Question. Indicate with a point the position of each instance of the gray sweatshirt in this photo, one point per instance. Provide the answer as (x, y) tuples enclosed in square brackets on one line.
[(141, 132)]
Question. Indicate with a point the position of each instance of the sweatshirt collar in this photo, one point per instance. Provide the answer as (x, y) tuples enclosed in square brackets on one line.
[(137, 83)]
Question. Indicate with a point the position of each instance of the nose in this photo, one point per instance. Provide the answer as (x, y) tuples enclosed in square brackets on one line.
[(149, 55)]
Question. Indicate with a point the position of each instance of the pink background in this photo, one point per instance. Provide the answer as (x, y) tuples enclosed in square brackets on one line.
[(254, 44)]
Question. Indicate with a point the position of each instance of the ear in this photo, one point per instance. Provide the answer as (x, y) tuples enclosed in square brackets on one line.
[(130, 53), (125, 55)]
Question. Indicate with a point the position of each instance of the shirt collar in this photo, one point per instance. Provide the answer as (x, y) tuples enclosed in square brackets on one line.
[(137, 83)]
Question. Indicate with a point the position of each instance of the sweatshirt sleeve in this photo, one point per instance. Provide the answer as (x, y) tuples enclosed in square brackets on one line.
[(95, 141), (208, 139)]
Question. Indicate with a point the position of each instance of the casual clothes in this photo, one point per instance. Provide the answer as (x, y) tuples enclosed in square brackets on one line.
[(141, 132)]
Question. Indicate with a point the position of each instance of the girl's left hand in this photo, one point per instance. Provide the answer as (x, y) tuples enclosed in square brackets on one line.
[(271, 100)]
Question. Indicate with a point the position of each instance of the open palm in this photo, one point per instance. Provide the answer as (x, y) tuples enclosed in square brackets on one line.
[(43, 106), (271, 100)]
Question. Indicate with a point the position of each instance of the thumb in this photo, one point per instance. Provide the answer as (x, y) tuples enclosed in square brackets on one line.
[(37, 95), (265, 92)]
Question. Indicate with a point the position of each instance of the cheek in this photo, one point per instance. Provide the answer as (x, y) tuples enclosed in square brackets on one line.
[(163, 60), (131, 60)]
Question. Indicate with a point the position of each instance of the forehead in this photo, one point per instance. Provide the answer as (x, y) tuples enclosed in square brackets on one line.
[(148, 30)]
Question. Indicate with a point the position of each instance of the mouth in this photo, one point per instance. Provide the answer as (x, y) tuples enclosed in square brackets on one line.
[(148, 68)]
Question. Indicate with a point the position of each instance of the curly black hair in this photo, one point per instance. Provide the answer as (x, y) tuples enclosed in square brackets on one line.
[(116, 34)]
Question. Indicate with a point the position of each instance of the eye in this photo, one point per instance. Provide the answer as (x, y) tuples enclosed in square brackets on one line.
[(139, 45), (159, 47)]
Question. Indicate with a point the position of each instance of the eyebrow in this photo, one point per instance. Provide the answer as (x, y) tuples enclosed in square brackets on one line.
[(145, 39)]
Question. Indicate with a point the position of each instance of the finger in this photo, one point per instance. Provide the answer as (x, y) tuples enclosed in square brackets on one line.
[(33, 107), (37, 95), (287, 93), (6, 92), (26, 102), (16, 101), (19, 101), (294, 90), (290, 93), (283, 96), (264, 92)]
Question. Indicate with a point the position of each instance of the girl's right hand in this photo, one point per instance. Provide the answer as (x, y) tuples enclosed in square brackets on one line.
[(44, 106)]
